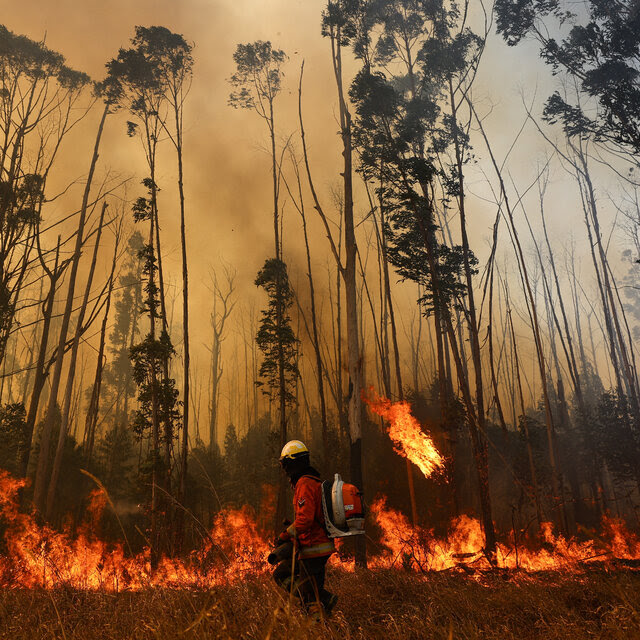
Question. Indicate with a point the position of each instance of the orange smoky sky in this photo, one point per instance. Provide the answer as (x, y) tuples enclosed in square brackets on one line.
[(227, 165)]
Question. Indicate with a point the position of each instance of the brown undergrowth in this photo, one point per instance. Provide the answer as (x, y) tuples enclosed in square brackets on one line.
[(385, 605)]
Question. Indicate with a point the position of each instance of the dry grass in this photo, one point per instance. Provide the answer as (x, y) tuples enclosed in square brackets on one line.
[(383, 604)]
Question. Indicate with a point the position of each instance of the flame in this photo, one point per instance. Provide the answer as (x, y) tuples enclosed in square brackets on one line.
[(37, 556), (417, 548), (409, 440)]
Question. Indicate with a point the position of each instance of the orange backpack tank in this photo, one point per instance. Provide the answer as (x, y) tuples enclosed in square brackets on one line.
[(342, 507)]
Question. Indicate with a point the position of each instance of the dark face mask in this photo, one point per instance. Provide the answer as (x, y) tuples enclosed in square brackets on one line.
[(294, 468)]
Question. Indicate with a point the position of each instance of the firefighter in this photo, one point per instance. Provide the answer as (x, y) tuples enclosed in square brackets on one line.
[(311, 544)]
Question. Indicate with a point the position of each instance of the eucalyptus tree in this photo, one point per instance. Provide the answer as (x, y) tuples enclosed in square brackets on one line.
[(136, 74), (598, 47), (172, 58), (41, 100), (337, 27), (141, 93), (257, 83), (153, 77), (418, 61)]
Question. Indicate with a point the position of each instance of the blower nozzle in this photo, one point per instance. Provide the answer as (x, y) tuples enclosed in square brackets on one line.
[(280, 553)]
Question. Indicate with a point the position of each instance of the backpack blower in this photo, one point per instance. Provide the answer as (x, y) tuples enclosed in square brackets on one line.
[(343, 508)]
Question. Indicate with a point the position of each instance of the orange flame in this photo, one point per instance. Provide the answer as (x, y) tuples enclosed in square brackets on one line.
[(409, 440), (416, 548), (38, 556)]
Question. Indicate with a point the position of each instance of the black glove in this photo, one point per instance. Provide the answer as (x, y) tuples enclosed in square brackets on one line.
[(283, 536)]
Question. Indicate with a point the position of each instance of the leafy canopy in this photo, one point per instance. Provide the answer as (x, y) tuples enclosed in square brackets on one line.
[(599, 49), (275, 337), (258, 76)]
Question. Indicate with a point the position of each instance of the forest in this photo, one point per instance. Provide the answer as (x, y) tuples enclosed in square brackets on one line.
[(415, 247)]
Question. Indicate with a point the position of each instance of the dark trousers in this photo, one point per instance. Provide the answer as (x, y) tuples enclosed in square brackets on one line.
[(307, 578)]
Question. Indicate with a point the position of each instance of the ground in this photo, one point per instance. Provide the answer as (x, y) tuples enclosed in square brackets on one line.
[(390, 604)]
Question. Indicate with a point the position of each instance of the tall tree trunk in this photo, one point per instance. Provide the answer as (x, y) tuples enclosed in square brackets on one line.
[(471, 312), (349, 277), (185, 327), (40, 374), (43, 458), (282, 385), (167, 436), (337, 343), (32, 347), (155, 419), (396, 351), (315, 337), (71, 372)]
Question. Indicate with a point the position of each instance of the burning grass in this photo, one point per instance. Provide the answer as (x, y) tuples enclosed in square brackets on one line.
[(71, 584), (234, 550), (389, 604)]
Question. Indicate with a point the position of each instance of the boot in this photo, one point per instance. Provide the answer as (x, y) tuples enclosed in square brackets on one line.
[(329, 602)]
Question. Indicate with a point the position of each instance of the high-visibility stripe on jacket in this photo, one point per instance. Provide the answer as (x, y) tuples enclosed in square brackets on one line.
[(308, 525)]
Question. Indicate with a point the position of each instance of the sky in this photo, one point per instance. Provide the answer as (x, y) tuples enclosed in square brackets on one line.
[(227, 171)]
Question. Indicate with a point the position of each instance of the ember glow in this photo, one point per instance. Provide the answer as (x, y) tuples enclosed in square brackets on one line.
[(39, 557), (409, 440), (416, 548)]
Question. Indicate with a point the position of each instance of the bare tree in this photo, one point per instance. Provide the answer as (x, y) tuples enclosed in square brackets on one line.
[(313, 334), (40, 481), (40, 105), (71, 371), (223, 305), (54, 275), (333, 29)]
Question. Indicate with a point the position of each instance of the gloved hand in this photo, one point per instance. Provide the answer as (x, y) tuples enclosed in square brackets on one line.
[(281, 538)]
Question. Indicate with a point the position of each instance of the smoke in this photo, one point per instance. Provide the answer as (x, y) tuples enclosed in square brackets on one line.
[(227, 167)]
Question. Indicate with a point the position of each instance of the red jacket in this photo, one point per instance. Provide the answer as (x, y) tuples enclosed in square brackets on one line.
[(308, 525)]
